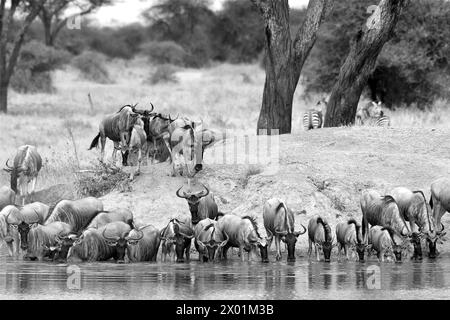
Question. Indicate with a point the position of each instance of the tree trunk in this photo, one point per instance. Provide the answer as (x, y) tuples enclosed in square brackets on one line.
[(285, 59), (47, 24), (3, 97), (360, 62)]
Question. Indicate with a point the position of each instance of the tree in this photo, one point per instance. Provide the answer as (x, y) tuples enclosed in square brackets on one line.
[(360, 62), (53, 18), (285, 58), (10, 43)]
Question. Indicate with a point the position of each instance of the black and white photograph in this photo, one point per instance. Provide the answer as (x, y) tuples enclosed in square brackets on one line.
[(224, 150)]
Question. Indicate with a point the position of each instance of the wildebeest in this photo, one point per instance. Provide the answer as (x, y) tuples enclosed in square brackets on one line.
[(440, 198), (349, 237), (92, 246), (176, 236), (138, 143), (105, 217), (145, 248), (382, 211), (77, 213), (369, 111), (279, 221), (414, 208), (319, 233), (201, 204), (208, 240), (387, 242), (7, 233), (157, 131), (120, 241), (43, 237), (117, 127), (60, 251), (23, 219), (25, 169), (7, 197), (242, 233)]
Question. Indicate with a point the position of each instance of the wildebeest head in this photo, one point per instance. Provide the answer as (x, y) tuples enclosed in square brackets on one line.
[(63, 245), (193, 202), (14, 171), (264, 251), (416, 242), (327, 245), (23, 228), (290, 238), (360, 249), (181, 241), (212, 247), (121, 244), (432, 239)]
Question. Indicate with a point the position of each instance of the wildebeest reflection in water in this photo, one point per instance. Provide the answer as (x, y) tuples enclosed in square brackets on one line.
[(226, 280)]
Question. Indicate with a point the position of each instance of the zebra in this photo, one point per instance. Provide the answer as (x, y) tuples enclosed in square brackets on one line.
[(312, 119), (383, 121)]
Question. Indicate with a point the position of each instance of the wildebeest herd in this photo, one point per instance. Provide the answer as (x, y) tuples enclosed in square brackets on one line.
[(402, 221)]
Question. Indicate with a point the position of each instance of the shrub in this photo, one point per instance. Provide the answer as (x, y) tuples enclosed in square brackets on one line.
[(165, 52), (36, 61), (163, 74), (92, 67)]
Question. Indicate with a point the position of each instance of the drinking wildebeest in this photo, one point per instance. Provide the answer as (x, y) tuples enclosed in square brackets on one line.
[(92, 246), (208, 240), (27, 217), (386, 241), (279, 221), (319, 233), (61, 249), (146, 248), (43, 237), (382, 211), (7, 233), (117, 127), (201, 204), (77, 213), (105, 217), (120, 241), (242, 233), (349, 237), (176, 237), (7, 197), (414, 208), (440, 199), (138, 143), (25, 169)]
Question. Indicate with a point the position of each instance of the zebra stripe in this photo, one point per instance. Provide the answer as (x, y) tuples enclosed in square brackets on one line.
[(383, 121), (312, 119)]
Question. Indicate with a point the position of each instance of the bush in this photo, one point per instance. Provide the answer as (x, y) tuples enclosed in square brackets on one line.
[(165, 52), (163, 74), (92, 67), (36, 61)]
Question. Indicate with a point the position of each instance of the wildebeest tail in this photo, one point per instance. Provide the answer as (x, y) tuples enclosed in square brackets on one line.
[(357, 228), (94, 142), (326, 228)]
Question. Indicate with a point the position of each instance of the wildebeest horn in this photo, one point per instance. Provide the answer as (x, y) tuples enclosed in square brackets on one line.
[(141, 235), (153, 108), (184, 196), (203, 194), (7, 164), (108, 238), (304, 230)]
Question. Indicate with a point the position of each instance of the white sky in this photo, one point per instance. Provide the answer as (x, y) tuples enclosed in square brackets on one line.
[(128, 11)]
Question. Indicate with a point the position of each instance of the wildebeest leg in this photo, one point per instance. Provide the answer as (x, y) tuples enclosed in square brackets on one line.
[(339, 251), (114, 154), (33, 184), (346, 252), (317, 253), (277, 245), (188, 252), (224, 252), (102, 147), (310, 248), (241, 253)]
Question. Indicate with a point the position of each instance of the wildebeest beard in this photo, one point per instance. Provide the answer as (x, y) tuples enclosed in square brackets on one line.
[(23, 229)]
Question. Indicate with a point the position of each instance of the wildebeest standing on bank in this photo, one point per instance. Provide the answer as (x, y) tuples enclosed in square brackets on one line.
[(242, 233), (117, 127), (77, 213), (208, 240), (382, 211), (201, 204), (92, 245), (43, 237), (7, 197), (25, 169), (349, 237), (319, 233), (176, 236), (145, 248), (279, 221), (138, 143), (157, 131), (414, 208)]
